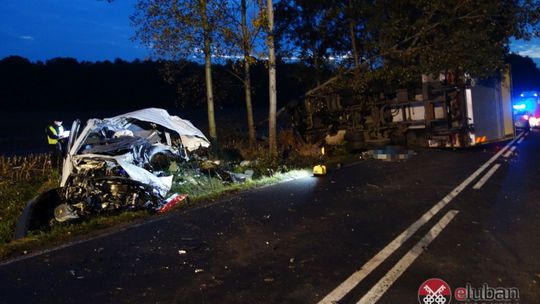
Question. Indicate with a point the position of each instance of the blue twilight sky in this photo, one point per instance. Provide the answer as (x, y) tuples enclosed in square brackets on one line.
[(84, 29), (91, 30)]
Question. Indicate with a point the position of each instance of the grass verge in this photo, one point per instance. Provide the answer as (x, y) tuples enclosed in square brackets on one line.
[(15, 196)]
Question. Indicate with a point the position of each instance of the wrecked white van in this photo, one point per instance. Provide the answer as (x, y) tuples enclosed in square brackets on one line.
[(117, 164)]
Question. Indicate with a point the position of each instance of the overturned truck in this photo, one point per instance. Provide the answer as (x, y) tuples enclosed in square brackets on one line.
[(116, 164), (448, 110)]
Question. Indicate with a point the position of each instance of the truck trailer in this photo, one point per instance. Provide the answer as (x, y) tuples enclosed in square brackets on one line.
[(446, 110)]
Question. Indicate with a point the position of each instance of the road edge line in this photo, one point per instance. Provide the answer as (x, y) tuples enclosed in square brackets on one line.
[(509, 152), (486, 176)]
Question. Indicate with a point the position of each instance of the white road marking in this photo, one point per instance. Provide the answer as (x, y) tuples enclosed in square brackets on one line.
[(520, 140), (346, 286), (509, 153), (484, 178), (379, 289)]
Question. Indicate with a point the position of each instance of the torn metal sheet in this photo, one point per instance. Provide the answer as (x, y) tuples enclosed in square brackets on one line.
[(162, 184), (192, 138)]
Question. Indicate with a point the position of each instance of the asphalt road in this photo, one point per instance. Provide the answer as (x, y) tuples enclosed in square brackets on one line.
[(368, 232)]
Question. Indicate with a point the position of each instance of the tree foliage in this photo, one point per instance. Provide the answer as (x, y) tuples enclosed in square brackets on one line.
[(311, 30), (180, 30), (426, 36), (174, 30), (401, 39)]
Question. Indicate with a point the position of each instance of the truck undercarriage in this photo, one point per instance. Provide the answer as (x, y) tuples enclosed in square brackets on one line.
[(433, 111)]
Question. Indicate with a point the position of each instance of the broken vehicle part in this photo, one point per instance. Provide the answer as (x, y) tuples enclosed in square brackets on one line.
[(64, 212), (172, 201)]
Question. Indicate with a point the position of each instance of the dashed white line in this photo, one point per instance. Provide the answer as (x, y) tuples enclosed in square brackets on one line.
[(520, 140), (509, 153), (353, 280), (484, 178), (379, 289)]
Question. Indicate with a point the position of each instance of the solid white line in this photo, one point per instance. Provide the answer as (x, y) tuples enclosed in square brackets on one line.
[(484, 178), (509, 153), (379, 289), (346, 286), (520, 140)]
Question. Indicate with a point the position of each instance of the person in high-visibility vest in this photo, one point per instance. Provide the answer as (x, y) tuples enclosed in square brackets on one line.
[(55, 139)]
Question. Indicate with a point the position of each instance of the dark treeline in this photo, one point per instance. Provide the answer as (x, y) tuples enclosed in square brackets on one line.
[(525, 74), (68, 83), (122, 85)]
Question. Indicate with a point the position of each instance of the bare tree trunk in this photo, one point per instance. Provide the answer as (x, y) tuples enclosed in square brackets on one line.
[(272, 136), (317, 65), (247, 76), (208, 73), (352, 26)]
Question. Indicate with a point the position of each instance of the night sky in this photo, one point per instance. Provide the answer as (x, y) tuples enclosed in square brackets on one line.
[(92, 30)]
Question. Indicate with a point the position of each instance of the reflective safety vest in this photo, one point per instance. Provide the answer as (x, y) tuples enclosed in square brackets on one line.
[(54, 140)]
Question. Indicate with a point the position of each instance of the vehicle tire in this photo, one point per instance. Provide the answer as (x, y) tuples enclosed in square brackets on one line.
[(37, 213)]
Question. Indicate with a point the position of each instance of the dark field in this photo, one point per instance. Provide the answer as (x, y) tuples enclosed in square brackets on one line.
[(23, 132)]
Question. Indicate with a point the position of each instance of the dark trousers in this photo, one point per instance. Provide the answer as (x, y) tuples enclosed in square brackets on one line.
[(56, 156)]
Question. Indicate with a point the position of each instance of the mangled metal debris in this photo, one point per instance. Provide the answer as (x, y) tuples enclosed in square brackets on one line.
[(119, 163), (116, 163)]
